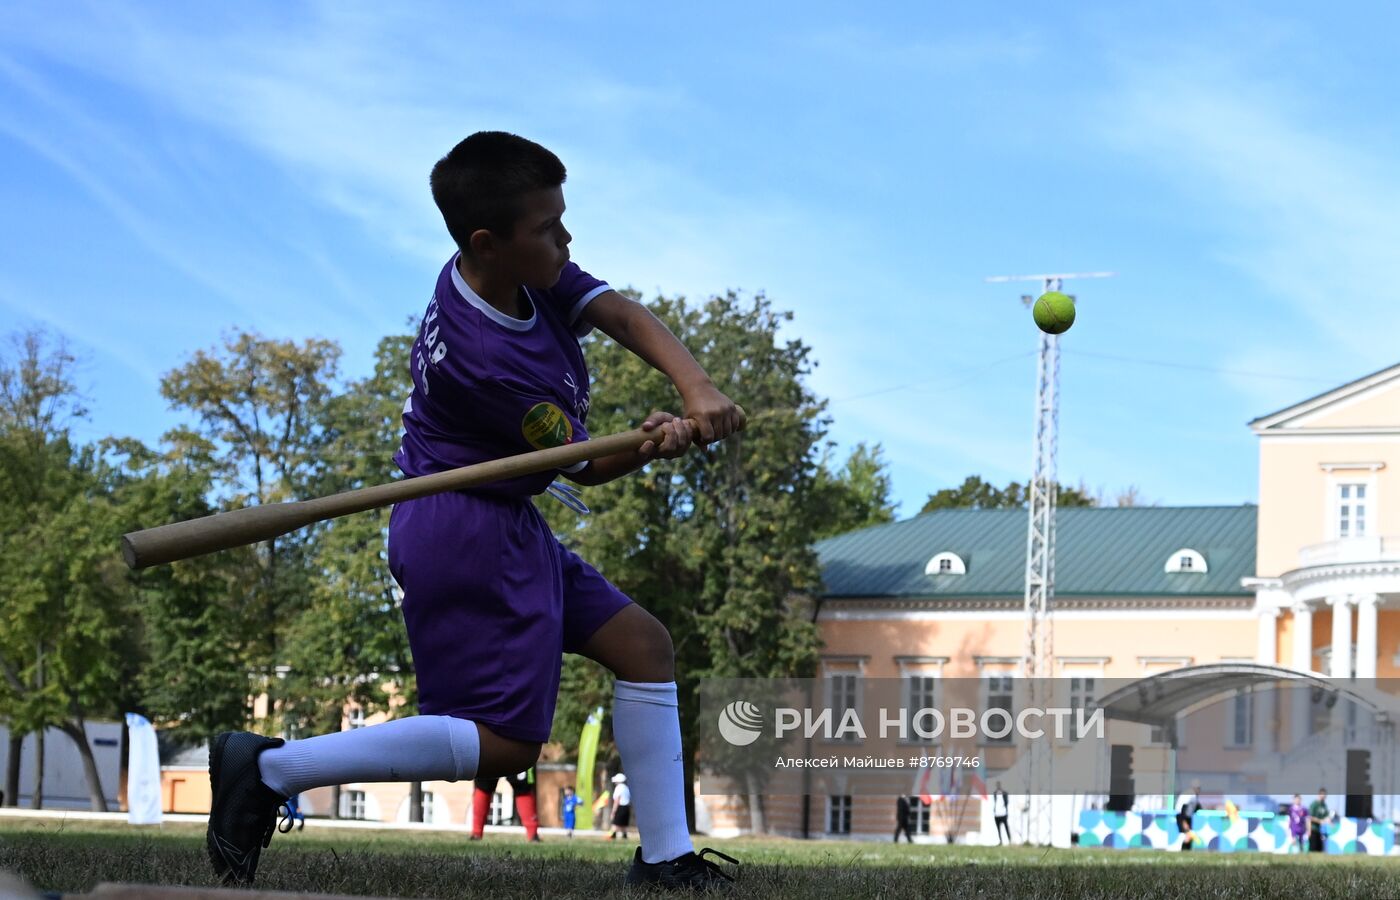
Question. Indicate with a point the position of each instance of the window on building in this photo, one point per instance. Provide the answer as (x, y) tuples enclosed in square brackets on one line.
[(1081, 696), (997, 694), (945, 563), (1351, 511), (292, 730), (1156, 665), (841, 688), (501, 811), (920, 692), (357, 717), (352, 804), (838, 814), (920, 814), (1242, 718), (425, 806), (1186, 560)]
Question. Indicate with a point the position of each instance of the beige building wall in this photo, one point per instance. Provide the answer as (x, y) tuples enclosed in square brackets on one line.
[(1350, 435), (1297, 492), (185, 790), (1123, 644)]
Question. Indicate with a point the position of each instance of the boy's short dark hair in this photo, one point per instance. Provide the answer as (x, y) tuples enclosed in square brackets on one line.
[(479, 183)]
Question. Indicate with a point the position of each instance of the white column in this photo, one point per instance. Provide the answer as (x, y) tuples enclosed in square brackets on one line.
[(1266, 699), (1301, 713), (1302, 637), (1366, 649), (1341, 636), (1267, 650)]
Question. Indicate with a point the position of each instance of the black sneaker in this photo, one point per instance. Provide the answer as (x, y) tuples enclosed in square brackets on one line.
[(690, 871), (244, 810)]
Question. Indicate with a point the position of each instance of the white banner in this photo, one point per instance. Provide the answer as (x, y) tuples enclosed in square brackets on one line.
[(142, 773)]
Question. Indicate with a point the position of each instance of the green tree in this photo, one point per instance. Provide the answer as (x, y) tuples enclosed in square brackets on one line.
[(349, 645), (857, 495), (718, 546), (67, 636), (974, 493), (259, 405), (196, 645)]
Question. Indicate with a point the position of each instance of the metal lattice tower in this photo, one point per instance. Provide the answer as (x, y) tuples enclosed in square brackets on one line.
[(1040, 558)]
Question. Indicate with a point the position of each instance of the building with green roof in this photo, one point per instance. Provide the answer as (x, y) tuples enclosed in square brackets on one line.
[(1102, 555)]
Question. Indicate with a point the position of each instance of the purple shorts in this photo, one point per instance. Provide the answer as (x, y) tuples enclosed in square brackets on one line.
[(492, 601)]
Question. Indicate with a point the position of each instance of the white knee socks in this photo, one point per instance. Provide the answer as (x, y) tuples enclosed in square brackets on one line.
[(647, 728), (421, 748)]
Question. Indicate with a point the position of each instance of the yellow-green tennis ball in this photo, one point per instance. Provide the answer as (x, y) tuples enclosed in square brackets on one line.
[(1054, 312)]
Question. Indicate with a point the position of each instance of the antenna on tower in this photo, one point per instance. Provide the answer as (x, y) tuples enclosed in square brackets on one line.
[(1040, 556)]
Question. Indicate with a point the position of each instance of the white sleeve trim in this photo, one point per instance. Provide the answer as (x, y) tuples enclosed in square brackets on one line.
[(575, 314), (575, 468)]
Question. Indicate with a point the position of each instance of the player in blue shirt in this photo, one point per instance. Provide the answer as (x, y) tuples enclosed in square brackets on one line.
[(568, 809)]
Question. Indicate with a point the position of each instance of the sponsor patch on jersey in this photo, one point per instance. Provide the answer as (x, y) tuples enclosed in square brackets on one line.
[(545, 425)]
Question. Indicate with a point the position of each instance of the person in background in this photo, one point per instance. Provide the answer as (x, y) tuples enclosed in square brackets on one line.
[(1187, 815), (569, 809), (1318, 815), (523, 784), (901, 819), (483, 789), (1298, 825), (1001, 812), (621, 807)]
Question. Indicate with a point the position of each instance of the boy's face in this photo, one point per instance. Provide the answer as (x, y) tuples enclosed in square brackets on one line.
[(536, 253)]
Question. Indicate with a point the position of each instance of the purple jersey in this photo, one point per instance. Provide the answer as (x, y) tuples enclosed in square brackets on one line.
[(486, 385), (1298, 819), (491, 598)]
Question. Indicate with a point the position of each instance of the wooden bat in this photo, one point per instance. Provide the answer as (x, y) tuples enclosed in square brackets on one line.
[(236, 528)]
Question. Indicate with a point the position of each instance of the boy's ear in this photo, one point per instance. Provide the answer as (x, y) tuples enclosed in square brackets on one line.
[(482, 243)]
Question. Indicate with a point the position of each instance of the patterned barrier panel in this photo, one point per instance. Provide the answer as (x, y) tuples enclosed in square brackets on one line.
[(1362, 836), (1247, 832)]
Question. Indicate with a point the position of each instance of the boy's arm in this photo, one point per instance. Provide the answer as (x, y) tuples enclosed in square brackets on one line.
[(633, 326)]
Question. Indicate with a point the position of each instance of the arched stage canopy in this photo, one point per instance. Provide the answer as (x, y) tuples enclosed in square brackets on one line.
[(1159, 699)]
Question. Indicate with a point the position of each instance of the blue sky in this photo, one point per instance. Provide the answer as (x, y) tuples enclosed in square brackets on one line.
[(171, 171)]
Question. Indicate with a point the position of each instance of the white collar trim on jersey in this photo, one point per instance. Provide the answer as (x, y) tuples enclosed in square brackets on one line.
[(487, 310)]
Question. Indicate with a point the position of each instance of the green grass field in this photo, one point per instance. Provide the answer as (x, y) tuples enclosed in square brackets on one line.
[(76, 856)]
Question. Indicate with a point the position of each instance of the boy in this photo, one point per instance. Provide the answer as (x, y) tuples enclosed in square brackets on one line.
[(1298, 825), (621, 808), (568, 809), (1001, 813), (523, 787), (491, 598)]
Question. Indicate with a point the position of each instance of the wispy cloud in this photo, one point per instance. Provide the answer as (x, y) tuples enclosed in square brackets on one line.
[(1311, 213), (73, 323), (86, 134), (890, 50), (338, 101)]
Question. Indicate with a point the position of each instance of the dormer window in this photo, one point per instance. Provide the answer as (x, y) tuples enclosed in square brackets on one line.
[(1186, 560), (946, 564)]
